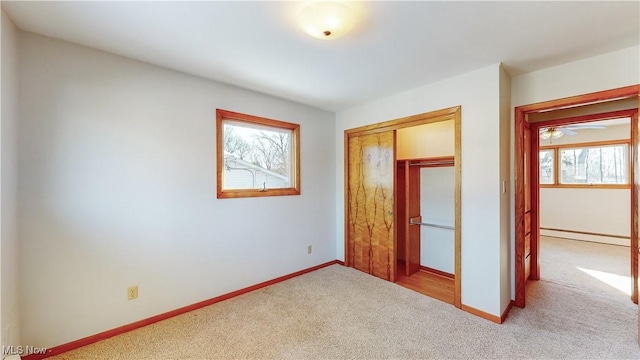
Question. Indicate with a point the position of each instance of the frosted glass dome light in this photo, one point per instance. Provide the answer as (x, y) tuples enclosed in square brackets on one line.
[(326, 20)]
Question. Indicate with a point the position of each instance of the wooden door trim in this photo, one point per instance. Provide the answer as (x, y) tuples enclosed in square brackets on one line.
[(452, 113), (534, 187), (520, 117), (409, 121), (534, 174), (519, 260), (412, 201), (607, 115), (634, 180), (457, 163), (581, 100)]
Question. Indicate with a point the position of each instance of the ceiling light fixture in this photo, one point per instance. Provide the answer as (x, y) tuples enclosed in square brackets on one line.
[(551, 132), (326, 19)]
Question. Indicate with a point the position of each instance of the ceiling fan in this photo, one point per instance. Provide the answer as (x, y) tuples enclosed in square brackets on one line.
[(554, 132)]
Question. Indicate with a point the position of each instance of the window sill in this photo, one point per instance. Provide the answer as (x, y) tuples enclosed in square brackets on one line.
[(233, 194)]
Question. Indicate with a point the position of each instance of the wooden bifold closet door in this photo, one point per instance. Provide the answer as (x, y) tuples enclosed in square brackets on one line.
[(370, 203)]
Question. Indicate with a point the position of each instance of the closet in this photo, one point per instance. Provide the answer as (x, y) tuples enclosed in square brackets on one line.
[(402, 202), (426, 209)]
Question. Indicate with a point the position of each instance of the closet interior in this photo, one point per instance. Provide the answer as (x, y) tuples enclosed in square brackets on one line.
[(425, 203)]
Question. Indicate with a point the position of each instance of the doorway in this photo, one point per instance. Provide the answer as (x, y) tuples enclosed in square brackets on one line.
[(374, 215), (584, 191), (527, 241)]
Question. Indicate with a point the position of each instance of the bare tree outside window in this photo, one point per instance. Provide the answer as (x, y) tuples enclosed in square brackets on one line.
[(235, 144), (264, 148), (271, 150), (547, 160)]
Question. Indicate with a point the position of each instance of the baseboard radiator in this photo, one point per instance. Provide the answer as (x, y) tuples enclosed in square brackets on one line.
[(612, 239)]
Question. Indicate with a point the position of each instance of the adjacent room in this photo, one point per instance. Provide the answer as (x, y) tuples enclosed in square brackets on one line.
[(587, 207), (318, 179)]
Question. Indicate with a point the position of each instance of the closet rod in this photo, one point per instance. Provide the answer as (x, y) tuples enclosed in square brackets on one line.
[(411, 222)]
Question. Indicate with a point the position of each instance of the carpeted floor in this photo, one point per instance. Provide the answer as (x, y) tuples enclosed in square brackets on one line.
[(341, 313), (574, 263)]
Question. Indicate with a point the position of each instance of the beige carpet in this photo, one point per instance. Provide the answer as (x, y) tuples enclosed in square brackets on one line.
[(341, 313), (575, 263)]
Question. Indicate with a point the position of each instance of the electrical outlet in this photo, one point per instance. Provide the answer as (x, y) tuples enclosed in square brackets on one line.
[(132, 292), (309, 249)]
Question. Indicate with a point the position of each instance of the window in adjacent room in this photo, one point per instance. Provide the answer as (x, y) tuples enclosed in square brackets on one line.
[(547, 161), (595, 165), (604, 164), (256, 156)]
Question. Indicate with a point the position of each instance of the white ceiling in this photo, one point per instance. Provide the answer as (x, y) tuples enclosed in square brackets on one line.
[(397, 46)]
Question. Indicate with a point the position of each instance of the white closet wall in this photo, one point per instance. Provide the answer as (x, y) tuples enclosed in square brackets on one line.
[(437, 205), (424, 141)]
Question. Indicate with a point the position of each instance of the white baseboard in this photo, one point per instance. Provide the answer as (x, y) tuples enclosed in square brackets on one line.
[(586, 237)]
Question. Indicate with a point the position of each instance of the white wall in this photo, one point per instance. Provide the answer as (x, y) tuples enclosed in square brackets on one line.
[(437, 206), (425, 141), (478, 94), (608, 71), (9, 316), (604, 211), (117, 188)]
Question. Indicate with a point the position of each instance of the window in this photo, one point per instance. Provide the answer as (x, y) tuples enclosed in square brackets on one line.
[(589, 164), (547, 175), (256, 156), (594, 165)]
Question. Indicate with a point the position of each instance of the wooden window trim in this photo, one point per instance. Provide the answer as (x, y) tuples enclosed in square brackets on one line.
[(222, 115), (587, 144), (556, 163)]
